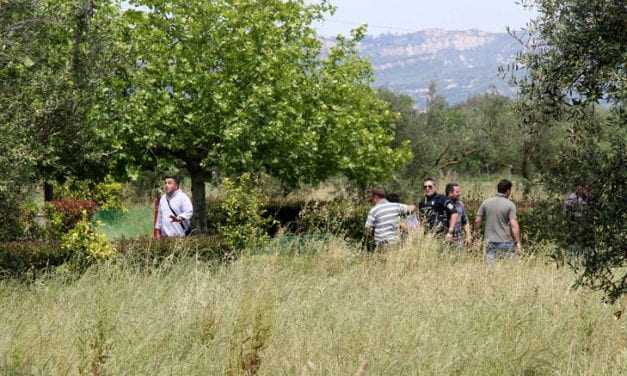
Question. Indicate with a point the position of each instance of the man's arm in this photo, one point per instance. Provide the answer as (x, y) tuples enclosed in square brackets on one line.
[(186, 210), (158, 223), (468, 233), (407, 209), (516, 234), (451, 227), (477, 223)]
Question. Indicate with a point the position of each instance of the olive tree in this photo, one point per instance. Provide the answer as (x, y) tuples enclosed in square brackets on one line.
[(576, 62)]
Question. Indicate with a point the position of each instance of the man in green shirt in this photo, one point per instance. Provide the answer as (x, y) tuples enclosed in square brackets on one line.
[(502, 232)]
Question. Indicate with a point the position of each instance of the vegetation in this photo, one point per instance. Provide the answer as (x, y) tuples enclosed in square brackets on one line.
[(576, 60), (222, 88), (240, 95), (326, 310)]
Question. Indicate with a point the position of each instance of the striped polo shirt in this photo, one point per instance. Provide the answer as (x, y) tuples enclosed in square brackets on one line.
[(385, 218)]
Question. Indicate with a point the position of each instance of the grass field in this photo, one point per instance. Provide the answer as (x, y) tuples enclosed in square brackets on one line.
[(136, 221), (326, 311)]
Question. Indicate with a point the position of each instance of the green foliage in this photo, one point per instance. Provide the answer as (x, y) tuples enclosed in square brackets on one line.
[(54, 56), (86, 244), (575, 59), (240, 86), (63, 215), (481, 135), (108, 195), (243, 226), (342, 217), (29, 258)]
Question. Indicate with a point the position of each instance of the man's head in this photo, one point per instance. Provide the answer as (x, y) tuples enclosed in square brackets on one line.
[(429, 186), (171, 183), (393, 197), (504, 187), (453, 191), (376, 195)]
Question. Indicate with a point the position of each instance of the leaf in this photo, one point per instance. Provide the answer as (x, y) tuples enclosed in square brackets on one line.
[(28, 62)]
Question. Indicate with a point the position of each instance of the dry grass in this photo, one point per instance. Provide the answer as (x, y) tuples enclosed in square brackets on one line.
[(328, 312)]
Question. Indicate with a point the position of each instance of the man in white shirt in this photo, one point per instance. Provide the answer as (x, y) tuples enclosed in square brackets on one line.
[(175, 210)]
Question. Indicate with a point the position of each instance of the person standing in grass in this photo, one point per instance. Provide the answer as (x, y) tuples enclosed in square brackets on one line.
[(384, 218), (175, 210), (461, 228), (437, 212), (502, 232)]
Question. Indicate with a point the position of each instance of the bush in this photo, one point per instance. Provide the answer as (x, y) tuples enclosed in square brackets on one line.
[(86, 244), (244, 225), (20, 258), (107, 195), (341, 217), (63, 215), (10, 227)]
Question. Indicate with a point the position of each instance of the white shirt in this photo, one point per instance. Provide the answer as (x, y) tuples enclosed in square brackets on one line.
[(182, 205)]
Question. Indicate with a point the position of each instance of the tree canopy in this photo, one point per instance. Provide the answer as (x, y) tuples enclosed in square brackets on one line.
[(576, 60), (226, 87)]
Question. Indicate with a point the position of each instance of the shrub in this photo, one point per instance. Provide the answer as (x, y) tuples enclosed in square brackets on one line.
[(86, 244), (341, 217), (63, 215), (20, 258), (109, 196), (244, 225), (10, 226)]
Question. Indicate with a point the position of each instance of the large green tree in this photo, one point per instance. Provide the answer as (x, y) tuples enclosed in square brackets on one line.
[(53, 58), (222, 87), (576, 62)]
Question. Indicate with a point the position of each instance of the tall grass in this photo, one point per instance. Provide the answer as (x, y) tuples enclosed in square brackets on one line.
[(315, 309)]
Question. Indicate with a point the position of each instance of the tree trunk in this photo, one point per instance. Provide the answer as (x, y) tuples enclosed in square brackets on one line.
[(199, 220), (524, 169), (48, 191)]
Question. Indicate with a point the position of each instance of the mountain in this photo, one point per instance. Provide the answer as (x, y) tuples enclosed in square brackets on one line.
[(461, 63)]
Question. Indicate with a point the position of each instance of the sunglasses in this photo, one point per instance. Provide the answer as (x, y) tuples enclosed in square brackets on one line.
[(428, 186)]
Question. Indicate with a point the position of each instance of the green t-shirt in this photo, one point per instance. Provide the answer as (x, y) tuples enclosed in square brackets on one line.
[(498, 212)]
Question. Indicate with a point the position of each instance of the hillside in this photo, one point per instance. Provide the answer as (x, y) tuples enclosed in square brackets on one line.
[(462, 63)]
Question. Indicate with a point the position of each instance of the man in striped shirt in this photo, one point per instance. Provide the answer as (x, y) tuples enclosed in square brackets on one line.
[(385, 217)]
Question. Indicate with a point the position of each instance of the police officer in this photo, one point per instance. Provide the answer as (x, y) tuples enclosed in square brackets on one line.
[(437, 212), (461, 227)]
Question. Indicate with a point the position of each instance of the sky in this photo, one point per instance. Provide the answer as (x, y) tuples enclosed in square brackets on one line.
[(405, 16)]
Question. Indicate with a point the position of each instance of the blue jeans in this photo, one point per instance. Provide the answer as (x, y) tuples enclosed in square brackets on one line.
[(499, 250)]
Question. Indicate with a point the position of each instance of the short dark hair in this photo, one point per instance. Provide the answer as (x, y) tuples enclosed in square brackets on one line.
[(379, 192), (176, 179), (504, 186), (429, 178), (393, 197), (450, 187)]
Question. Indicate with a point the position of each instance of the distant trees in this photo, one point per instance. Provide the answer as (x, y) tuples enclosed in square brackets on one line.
[(576, 59), (481, 135)]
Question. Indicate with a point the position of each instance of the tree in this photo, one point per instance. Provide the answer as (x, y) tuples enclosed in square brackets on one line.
[(225, 87), (53, 58), (576, 60)]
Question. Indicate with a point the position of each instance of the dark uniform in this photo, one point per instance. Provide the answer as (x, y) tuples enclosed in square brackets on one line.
[(435, 212), (462, 220)]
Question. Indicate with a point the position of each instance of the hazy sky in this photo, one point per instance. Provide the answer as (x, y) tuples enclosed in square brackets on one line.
[(403, 16)]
